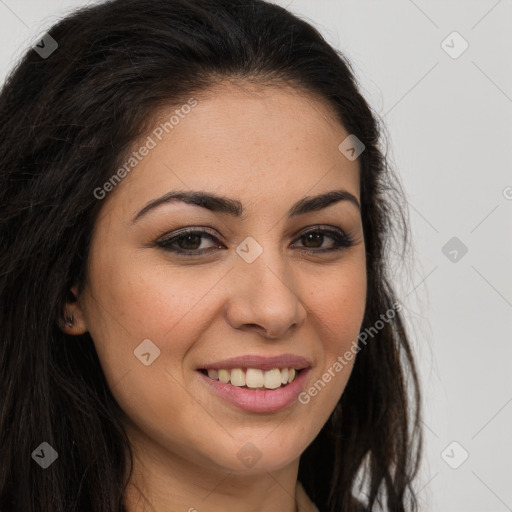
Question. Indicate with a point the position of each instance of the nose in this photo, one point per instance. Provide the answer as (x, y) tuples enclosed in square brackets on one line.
[(264, 298)]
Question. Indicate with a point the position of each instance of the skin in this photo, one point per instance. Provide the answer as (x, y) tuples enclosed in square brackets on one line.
[(267, 147)]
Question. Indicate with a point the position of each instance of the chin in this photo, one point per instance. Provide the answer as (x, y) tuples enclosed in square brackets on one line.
[(259, 454)]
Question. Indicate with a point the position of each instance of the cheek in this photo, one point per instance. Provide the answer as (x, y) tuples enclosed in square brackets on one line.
[(142, 300), (338, 304), (133, 303), (337, 310)]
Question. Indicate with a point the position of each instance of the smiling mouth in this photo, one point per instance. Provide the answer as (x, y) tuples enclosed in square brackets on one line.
[(254, 378)]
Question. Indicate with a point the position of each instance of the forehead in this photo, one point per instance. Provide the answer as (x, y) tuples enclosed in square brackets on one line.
[(261, 143)]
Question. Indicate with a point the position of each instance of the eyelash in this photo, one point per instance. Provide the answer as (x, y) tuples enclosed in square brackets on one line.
[(341, 241)]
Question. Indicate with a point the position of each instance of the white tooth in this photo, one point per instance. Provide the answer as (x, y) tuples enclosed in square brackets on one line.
[(254, 378), (284, 376), (213, 374), (224, 376), (237, 377), (273, 378), (291, 374)]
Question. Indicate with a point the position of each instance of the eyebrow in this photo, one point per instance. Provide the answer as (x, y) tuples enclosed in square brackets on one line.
[(234, 208)]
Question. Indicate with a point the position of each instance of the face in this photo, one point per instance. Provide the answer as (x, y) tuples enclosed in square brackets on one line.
[(275, 285)]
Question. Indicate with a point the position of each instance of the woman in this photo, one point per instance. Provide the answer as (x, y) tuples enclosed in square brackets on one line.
[(196, 308)]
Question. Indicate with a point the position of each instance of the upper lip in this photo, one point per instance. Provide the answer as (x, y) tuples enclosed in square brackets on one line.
[(260, 362)]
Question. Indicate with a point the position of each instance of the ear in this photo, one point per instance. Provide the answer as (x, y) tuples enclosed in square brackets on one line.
[(72, 320)]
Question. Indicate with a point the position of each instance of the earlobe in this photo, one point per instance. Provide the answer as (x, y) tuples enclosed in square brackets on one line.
[(70, 320), (73, 321)]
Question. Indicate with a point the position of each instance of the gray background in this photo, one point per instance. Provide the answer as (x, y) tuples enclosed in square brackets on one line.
[(449, 137)]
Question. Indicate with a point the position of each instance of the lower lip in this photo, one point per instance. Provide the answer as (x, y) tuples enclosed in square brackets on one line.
[(258, 400)]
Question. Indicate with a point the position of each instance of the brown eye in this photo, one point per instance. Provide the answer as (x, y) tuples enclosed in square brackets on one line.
[(314, 239), (187, 242)]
